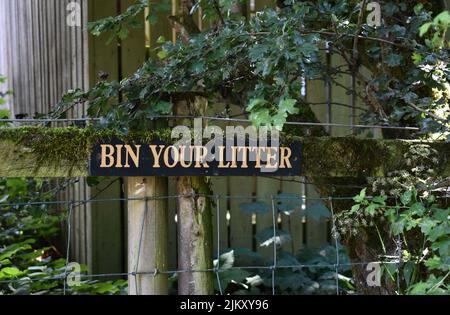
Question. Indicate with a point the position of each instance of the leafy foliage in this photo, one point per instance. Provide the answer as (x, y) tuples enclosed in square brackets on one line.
[(31, 261), (410, 204), (260, 63), (311, 271)]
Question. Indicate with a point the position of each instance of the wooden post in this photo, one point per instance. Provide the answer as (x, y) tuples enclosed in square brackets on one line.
[(195, 228), (194, 237), (147, 236)]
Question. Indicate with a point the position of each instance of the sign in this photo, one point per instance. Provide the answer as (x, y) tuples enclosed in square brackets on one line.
[(159, 158)]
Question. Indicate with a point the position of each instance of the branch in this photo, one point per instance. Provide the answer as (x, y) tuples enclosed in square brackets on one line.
[(355, 53), (427, 113)]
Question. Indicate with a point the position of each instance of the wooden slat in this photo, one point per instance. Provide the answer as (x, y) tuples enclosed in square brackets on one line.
[(172, 226), (219, 187), (316, 231), (133, 49), (293, 222), (266, 188), (241, 228)]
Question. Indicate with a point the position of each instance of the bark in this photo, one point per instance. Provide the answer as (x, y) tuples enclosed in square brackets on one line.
[(194, 237)]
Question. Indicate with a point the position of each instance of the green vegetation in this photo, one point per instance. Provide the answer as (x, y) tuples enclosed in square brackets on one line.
[(31, 261)]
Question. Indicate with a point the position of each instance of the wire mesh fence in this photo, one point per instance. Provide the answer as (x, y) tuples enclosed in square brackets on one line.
[(275, 239)]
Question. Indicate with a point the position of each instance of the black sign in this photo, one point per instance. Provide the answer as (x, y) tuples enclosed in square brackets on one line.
[(116, 158)]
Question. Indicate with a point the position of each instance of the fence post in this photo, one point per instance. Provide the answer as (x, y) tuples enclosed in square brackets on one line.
[(147, 236), (194, 237)]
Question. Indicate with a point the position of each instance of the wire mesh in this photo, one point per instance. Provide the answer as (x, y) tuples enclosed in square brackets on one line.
[(134, 271)]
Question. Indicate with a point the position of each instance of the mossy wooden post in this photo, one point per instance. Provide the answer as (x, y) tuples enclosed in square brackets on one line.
[(195, 229), (147, 236), (194, 237)]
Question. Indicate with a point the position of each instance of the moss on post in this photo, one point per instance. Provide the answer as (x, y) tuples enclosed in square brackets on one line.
[(57, 152)]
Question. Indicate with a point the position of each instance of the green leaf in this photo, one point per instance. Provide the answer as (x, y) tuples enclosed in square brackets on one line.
[(371, 209), (406, 197), (123, 33), (408, 270), (4, 113), (424, 28), (442, 18), (288, 106), (162, 108), (256, 103), (279, 120), (162, 54), (417, 8), (434, 262), (10, 271), (361, 197), (161, 40), (106, 288), (260, 117), (426, 225), (355, 208), (418, 209)]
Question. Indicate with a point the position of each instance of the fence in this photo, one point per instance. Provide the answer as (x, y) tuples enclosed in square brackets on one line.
[(275, 242), (72, 59)]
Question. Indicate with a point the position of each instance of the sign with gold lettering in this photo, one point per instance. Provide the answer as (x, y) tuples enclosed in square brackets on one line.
[(117, 158)]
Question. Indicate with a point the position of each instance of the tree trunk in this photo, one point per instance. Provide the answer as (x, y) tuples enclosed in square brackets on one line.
[(194, 237), (147, 236)]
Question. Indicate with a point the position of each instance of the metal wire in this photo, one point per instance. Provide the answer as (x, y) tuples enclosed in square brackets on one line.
[(336, 244), (69, 232), (217, 269), (274, 244), (219, 285), (212, 118)]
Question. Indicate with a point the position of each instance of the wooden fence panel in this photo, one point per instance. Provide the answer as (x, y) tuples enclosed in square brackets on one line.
[(293, 187), (172, 226), (266, 189)]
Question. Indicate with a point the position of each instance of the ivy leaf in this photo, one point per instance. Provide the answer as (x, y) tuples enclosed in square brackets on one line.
[(424, 28), (163, 107), (417, 209), (279, 120), (355, 208), (443, 19), (10, 272), (162, 54), (371, 209), (287, 106), (434, 262), (406, 197), (161, 40), (426, 225), (361, 197), (256, 103), (260, 117)]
